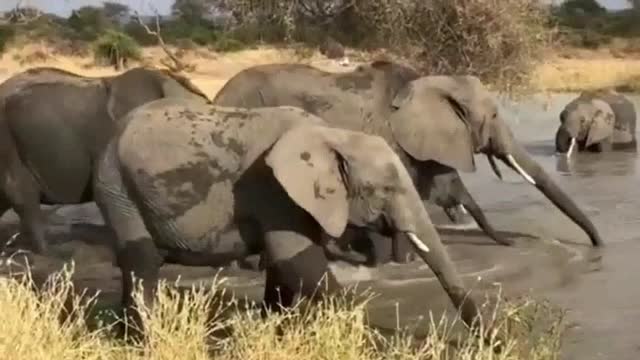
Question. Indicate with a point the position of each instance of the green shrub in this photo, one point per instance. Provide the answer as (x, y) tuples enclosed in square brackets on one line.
[(6, 35), (115, 47)]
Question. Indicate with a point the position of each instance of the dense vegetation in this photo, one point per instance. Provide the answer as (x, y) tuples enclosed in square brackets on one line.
[(498, 40)]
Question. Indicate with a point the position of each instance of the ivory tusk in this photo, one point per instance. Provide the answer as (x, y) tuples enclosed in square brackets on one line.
[(417, 242), (520, 170), (573, 143)]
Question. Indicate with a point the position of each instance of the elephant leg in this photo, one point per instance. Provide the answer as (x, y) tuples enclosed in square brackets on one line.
[(296, 267), (23, 195), (137, 256)]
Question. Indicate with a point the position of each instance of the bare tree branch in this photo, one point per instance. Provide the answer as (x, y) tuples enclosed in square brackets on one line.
[(22, 15), (177, 65)]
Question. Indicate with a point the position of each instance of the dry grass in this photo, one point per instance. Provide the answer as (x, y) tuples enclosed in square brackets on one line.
[(588, 69), (212, 69), (184, 324), (586, 74)]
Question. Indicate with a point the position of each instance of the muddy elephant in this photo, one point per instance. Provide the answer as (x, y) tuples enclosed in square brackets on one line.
[(54, 123), (597, 121), (181, 176), (435, 123)]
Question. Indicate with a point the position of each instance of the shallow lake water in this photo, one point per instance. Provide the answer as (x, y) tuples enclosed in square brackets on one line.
[(604, 302), (552, 257)]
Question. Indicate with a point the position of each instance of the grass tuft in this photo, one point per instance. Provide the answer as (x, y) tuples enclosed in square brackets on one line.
[(51, 323)]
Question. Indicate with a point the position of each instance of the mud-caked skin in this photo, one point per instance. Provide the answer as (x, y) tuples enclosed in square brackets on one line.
[(435, 123), (597, 121), (53, 125), (183, 174)]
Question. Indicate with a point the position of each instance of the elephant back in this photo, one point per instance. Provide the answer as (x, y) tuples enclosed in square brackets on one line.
[(622, 107)]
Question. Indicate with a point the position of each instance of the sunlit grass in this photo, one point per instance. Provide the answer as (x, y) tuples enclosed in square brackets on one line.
[(196, 324), (587, 74)]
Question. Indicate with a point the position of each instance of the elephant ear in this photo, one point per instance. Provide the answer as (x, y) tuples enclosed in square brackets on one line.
[(602, 124), (430, 124), (308, 168)]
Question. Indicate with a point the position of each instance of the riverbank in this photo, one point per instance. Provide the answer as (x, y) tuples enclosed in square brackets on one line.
[(570, 70), (574, 70)]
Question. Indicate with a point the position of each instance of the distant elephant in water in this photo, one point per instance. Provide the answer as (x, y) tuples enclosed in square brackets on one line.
[(182, 175), (435, 123), (53, 125), (597, 121)]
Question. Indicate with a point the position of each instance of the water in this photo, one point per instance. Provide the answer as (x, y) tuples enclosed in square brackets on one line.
[(553, 257), (605, 302), (598, 287)]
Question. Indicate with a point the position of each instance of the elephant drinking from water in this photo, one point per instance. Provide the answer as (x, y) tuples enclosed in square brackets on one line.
[(597, 121), (435, 123)]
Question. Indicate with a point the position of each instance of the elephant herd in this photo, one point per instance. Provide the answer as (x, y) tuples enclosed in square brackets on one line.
[(285, 158)]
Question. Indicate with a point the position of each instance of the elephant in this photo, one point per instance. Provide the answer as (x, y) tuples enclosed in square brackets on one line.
[(435, 123), (597, 121), (181, 175), (53, 125)]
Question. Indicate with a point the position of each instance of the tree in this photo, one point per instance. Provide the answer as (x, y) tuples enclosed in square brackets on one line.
[(89, 22), (589, 7), (114, 10), (193, 11)]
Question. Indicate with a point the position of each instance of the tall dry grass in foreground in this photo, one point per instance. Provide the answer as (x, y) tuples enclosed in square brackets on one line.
[(188, 324)]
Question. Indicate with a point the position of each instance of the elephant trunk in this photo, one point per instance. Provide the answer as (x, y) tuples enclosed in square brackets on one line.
[(521, 162), (409, 216), (565, 141)]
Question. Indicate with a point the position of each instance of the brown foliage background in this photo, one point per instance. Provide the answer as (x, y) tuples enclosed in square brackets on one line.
[(498, 40)]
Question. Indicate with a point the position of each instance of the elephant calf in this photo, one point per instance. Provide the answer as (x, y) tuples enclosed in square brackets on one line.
[(597, 121), (181, 174)]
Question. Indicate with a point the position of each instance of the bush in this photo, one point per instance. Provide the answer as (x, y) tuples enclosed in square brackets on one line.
[(225, 44), (6, 35), (115, 48), (497, 40)]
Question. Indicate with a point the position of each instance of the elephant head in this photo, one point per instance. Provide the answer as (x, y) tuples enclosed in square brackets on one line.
[(340, 176), (450, 118), (587, 121)]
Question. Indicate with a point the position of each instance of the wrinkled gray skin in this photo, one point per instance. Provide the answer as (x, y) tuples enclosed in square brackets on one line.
[(53, 125), (435, 123), (182, 176), (597, 121)]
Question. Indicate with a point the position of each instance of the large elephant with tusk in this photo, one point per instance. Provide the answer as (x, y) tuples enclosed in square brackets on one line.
[(597, 121), (183, 175), (435, 123)]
